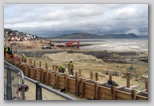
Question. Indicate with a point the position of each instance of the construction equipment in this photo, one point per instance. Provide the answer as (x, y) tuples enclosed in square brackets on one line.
[(51, 44), (46, 47), (70, 44)]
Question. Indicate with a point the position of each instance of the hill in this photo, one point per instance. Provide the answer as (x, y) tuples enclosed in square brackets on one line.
[(94, 36), (78, 36), (130, 35)]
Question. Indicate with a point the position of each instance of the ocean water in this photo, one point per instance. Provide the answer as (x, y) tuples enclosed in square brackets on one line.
[(138, 45)]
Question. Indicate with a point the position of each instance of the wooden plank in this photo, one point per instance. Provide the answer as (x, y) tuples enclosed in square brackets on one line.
[(61, 86), (46, 77), (37, 74), (104, 90), (71, 87), (81, 88), (123, 95), (88, 96), (52, 76), (31, 75), (61, 83), (138, 97), (100, 98), (77, 85), (72, 90), (52, 83), (119, 98), (26, 71), (52, 79), (37, 77), (96, 91), (41, 75), (88, 91), (89, 86), (107, 97), (71, 81), (61, 79)]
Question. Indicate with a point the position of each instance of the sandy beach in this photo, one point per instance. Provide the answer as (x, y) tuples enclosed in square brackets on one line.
[(85, 63)]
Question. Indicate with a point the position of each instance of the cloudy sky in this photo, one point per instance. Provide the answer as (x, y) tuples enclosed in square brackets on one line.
[(57, 19)]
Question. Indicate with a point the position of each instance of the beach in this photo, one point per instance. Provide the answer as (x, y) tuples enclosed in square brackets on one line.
[(116, 61)]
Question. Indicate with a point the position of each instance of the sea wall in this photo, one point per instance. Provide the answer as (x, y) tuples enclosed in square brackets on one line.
[(98, 54)]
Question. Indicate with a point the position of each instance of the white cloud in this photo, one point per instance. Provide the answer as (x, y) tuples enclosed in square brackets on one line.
[(60, 18)]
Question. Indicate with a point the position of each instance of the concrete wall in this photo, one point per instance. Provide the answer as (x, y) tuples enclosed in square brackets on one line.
[(38, 53), (98, 54)]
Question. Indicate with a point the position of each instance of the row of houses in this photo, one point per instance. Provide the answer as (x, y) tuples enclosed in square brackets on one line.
[(14, 35)]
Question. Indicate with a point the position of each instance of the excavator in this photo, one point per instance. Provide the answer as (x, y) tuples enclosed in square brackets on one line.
[(70, 44)]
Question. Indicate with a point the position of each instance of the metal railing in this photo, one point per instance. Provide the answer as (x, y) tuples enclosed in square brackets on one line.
[(9, 67), (39, 85)]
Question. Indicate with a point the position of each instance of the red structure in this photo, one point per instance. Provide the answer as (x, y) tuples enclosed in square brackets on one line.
[(69, 44)]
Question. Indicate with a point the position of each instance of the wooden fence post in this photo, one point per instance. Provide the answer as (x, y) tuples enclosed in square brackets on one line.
[(76, 83), (133, 93), (31, 62), (114, 93), (79, 73), (46, 74), (110, 77), (91, 75), (66, 82), (40, 64), (96, 76), (82, 88), (34, 63), (146, 85), (128, 80), (56, 78), (96, 91), (53, 67), (56, 68), (46, 66)]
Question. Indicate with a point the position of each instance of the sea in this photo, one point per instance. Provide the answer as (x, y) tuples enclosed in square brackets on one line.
[(137, 45)]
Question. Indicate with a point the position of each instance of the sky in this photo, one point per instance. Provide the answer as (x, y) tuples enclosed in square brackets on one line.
[(57, 19)]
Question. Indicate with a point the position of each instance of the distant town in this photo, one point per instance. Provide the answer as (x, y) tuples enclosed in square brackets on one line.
[(14, 35)]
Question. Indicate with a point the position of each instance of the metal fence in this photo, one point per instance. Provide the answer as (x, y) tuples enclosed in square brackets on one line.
[(10, 76), (13, 77)]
